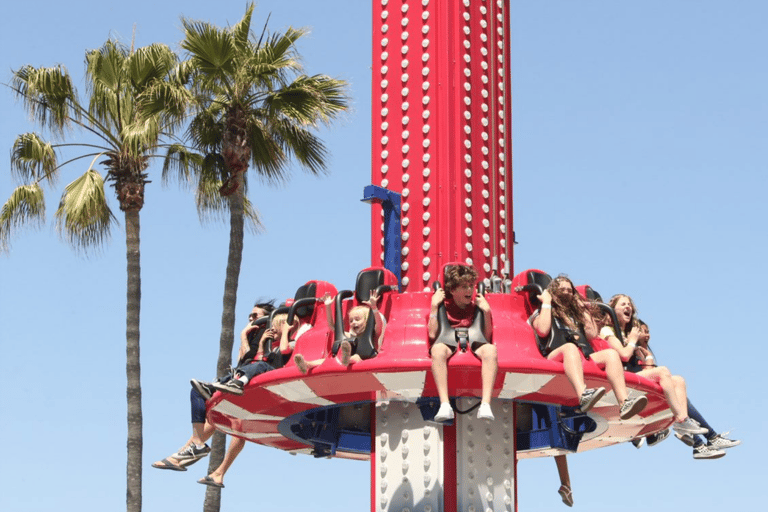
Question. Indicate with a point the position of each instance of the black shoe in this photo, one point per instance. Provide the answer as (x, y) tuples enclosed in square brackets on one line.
[(205, 389), (233, 386)]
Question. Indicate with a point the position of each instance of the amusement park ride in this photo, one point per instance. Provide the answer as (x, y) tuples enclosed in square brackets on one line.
[(441, 193)]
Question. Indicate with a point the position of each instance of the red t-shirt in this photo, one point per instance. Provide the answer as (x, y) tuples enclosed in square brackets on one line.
[(457, 316)]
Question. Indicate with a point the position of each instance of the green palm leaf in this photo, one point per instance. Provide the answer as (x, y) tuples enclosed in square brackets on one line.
[(25, 206), (83, 216)]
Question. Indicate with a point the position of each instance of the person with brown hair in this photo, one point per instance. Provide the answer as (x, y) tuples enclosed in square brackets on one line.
[(460, 305), (564, 309)]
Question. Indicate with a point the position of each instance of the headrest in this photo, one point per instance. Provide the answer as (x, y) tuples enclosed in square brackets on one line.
[(305, 291), (591, 294)]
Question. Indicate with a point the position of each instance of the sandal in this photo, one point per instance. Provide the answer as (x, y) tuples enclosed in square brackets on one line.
[(566, 494)]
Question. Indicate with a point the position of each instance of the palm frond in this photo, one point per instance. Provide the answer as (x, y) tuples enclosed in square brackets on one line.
[(25, 206), (252, 218), (32, 158), (83, 218), (241, 31), (107, 84), (48, 95), (182, 164)]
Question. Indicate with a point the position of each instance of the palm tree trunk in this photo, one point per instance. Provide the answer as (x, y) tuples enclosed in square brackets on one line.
[(234, 259), (133, 364)]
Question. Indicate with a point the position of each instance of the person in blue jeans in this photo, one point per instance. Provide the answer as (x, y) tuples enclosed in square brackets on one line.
[(196, 448), (705, 446)]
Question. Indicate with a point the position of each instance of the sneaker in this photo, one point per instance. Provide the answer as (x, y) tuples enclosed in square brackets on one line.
[(191, 454), (205, 389), (689, 426), (638, 443), (632, 406), (590, 397), (485, 412), (234, 386), (721, 442), (445, 413), (686, 438), (658, 437), (705, 452)]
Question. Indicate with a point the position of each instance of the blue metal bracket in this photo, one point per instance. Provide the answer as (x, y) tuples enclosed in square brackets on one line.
[(390, 203)]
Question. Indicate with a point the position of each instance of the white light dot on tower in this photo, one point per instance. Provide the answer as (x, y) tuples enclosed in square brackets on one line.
[(384, 28), (384, 70), (425, 172), (426, 276), (384, 154), (425, 246), (426, 261), (425, 29), (404, 36), (384, 183), (406, 177), (404, 251), (384, 41), (425, 231), (468, 232), (384, 169), (425, 187), (405, 192)]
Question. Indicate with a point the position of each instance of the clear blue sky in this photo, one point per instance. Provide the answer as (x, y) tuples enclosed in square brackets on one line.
[(639, 133)]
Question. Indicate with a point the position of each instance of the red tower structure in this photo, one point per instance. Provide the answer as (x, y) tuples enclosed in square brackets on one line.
[(441, 133)]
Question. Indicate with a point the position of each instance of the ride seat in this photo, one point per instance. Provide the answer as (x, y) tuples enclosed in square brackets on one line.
[(459, 337), (378, 278)]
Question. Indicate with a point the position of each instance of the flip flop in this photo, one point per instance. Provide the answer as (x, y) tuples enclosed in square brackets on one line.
[(566, 495), (166, 464), (210, 481)]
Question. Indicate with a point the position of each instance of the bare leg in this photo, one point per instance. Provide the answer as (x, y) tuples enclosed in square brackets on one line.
[(490, 365), (440, 354), (562, 470), (614, 370), (574, 370), (664, 378), (682, 394), (235, 447), (565, 480)]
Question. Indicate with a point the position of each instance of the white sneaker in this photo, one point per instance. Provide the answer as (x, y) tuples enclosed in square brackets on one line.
[(705, 452), (720, 441), (485, 412), (445, 413)]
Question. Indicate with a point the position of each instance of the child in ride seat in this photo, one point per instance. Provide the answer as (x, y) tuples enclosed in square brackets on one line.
[(460, 309), (358, 320), (243, 374)]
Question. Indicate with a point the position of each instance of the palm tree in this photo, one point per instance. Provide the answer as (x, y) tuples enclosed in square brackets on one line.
[(254, 109), (118, 81)]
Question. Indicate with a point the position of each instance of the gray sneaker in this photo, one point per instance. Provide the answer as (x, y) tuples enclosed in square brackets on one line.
[(705, 452), (590, 397), (632, 406), (721, 442), (638, 443), (689, 426), (191, 454)]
